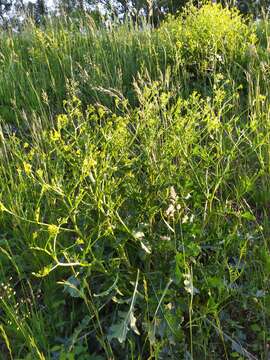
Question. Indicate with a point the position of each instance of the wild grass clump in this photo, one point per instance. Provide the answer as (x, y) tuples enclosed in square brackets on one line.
[(134, 209), (211, 34), (206, 41), (38, 64)]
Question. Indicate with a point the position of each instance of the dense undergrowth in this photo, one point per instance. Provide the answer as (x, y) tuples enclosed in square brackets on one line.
[(135, 190)]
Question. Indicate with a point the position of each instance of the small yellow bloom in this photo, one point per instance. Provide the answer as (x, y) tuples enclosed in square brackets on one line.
[(55, 135), (88, 163), (27, 168), (62, 120), (40, 173), (53, 230), (2, 207)]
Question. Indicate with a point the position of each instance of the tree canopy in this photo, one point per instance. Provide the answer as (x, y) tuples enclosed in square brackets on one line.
[(153, 10)]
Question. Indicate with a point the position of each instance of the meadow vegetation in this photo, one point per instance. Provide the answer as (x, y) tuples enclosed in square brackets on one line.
[(135, 189)]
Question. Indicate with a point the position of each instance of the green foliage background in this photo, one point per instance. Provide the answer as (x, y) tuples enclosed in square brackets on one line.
[(134, 189)]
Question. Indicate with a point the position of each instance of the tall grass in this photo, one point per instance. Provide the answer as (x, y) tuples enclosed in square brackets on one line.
[(38, 65), (134, 197)]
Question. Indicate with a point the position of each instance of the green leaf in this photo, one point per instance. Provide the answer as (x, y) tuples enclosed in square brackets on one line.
[(108, 291), (193, 249), (179, 267), (215, 282), (71, 286), (119, 330), (248, 216)]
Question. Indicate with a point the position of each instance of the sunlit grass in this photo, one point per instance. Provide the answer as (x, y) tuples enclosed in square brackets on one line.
[(134, 190)]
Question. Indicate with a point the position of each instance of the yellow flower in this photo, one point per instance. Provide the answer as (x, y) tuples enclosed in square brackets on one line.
[(2, 207), (40, 173), (27, 168), (55, 135), (88, 163), (53, 230), (62, 120)]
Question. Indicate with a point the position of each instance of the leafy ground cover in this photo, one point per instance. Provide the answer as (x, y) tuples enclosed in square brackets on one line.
[(134, 197)]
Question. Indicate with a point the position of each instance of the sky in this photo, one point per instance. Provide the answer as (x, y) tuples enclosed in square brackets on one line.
[(50, 2)]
